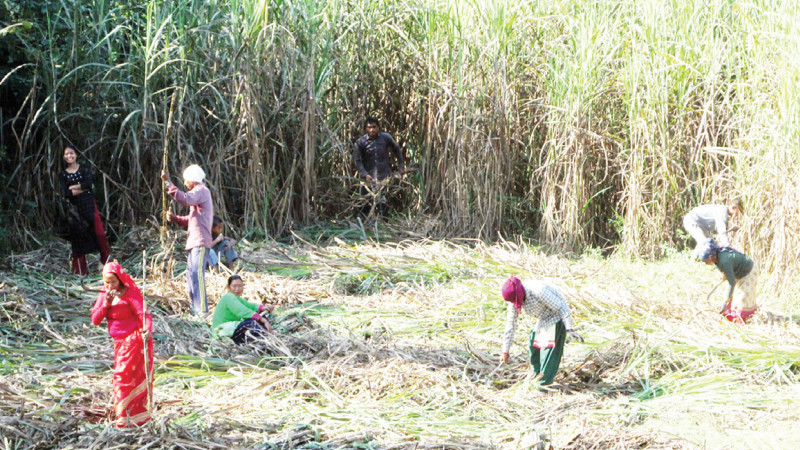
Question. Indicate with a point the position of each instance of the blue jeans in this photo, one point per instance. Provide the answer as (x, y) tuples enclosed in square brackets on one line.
[(219, 251), (197, 262)]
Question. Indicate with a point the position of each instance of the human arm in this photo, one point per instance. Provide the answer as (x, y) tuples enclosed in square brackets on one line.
[(554, 301), (511, 328), (358, 155), (182, 221), (194, 197), (85, 183), (721, 227), (87, 180), (65, 190), (100, 308), (398, 153), (238, 308), (725, 265)]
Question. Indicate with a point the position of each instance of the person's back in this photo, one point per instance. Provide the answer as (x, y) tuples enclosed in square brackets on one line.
[(732, 262), (704, 221)]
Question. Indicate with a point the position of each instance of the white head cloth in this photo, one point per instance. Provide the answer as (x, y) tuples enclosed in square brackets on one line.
[(194, 173)]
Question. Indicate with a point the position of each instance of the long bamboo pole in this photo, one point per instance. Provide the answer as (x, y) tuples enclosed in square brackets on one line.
[(147, 375), (164, 163)]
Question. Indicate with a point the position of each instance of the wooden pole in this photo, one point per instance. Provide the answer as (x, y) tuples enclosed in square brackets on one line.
[(164, 164), (148, 377)]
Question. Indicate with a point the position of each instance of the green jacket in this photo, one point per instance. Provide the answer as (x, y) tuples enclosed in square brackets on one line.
[(230, 311)]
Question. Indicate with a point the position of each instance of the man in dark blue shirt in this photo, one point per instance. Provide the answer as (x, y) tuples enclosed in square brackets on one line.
[(373, 161)]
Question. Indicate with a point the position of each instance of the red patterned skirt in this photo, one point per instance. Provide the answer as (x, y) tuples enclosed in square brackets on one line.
[(130, 382)]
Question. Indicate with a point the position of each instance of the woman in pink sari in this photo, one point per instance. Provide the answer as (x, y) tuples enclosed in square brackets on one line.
[(121, 304)]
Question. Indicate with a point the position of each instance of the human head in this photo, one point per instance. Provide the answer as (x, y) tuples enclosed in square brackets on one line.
[(236, 285), (706, 251), (111, 281), (217, 225), (193, 175), (514, 293), (736, 206), (114, 277), (70, 155), (372, 127)]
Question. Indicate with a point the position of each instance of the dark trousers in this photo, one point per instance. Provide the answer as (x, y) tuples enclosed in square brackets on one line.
[(547, 360), (248, 331)]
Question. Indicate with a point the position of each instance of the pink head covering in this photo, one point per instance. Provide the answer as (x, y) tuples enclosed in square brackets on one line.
[(115, 268), (514, 293)]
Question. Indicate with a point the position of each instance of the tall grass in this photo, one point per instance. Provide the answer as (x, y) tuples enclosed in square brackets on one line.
[(581, 123)]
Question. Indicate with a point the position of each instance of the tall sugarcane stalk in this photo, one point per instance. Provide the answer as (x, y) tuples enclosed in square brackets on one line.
[(164, 162)]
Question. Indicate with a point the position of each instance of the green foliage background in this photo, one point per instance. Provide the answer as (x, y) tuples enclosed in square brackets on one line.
[(581, 123)]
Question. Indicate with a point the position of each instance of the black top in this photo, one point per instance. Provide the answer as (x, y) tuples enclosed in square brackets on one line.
[(80, 212), (372, 155)]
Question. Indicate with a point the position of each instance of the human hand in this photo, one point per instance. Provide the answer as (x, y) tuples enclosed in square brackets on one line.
[(266, 325), (145, 334), (75, 186), (168, 215), (369, 178), (231, 243), (76, 192), (574, 335), (110, 295), (504, 358), (164, 175)]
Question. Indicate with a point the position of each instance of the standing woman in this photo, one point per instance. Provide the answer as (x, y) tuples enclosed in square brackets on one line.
[(740, 271), (85, 227), (546, 343), (121, 304)]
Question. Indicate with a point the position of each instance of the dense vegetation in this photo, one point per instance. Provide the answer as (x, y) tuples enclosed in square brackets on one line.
[(579, 123)]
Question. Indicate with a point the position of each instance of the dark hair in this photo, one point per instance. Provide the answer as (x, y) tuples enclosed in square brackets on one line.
[(217, 220), (738, 203), (233, 278), (371, 120)]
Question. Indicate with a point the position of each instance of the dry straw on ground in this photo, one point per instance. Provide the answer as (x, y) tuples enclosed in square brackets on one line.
[(396, 345)]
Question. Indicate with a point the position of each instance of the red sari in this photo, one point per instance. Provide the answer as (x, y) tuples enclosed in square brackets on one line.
[(126, 317), (130, 382)]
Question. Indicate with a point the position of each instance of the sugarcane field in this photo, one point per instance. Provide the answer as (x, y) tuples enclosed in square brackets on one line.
[(399, 224)]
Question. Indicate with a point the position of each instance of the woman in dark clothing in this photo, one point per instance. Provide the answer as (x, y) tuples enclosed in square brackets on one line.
[(740, 271), (85, 228)]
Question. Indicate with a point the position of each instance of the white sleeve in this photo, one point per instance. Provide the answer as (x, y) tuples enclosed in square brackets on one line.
[(511, 327)]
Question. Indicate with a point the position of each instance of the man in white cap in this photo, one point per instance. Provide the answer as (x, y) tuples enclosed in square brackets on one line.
[(198, 224)]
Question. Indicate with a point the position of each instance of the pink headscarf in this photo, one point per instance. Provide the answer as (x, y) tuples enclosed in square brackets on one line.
[(514, 293), (115, 268)]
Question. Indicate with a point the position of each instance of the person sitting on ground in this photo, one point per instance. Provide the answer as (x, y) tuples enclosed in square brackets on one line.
[(546, 344), (705, 220), (237, 318), (221, 245), (740, 271)]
